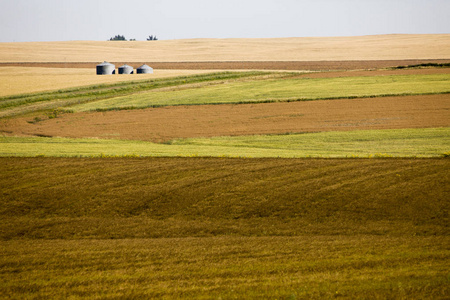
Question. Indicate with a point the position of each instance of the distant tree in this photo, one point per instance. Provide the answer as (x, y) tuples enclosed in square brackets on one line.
[(152, 38), (118, 38)]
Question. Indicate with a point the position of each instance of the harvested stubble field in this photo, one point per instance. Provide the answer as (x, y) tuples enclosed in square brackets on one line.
[(361, 48), (233, 228), (23, 80)]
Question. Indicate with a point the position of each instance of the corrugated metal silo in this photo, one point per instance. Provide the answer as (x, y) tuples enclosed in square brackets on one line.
[(106, 68), (126, 69), (144, 69)]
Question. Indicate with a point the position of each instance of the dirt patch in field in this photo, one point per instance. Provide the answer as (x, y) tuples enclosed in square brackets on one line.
[(164, 124), (366, 73), (247, 65)]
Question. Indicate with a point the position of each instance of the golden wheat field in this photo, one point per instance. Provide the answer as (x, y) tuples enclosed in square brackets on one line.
[(377, 47), (22, 80)]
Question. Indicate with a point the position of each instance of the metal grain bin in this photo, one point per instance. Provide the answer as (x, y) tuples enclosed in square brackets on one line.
[(106, 69), (126, 69), (144, 69)]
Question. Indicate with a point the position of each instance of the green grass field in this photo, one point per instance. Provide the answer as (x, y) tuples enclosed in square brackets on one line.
[(430, 142), (203, 228), (281, 89)]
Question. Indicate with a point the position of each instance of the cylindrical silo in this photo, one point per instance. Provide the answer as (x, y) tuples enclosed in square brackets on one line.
[(144, 69), (126, 69), (106, 69)]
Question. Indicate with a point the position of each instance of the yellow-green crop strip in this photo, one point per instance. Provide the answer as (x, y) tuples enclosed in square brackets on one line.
[(280, 89), (19, 104), (430, 142)]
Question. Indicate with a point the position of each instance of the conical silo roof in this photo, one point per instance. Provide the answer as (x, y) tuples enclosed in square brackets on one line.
[(105, 63), (144, 69)]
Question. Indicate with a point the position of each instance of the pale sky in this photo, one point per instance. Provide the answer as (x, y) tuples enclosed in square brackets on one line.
[(65, 20)]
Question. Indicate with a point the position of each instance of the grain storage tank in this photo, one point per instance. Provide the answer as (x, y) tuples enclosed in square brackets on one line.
[(126, 69), (106, 69), (144, 69)]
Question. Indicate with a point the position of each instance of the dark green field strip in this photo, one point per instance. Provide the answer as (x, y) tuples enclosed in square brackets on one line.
[(105, 91), (423, 65), (182, 197)]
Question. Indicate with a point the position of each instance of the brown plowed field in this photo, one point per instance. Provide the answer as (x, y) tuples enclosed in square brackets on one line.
[(245, 65), (163, 124)]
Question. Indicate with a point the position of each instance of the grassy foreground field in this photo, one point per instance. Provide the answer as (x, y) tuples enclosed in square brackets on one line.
[(224, 228)]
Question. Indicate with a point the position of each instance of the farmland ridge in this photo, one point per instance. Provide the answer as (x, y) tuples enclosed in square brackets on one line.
[(359, 48)]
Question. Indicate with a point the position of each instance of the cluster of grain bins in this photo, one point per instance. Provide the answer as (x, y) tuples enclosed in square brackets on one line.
[(107, 68)]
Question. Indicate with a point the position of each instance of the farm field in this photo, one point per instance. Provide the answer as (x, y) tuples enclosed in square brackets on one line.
[(23, 80), (277, 90), (359, 48), (322, 65), (431, 142), (214, 227), (299, 183), (20, 79), (310, 267), (36, 102), (168, 123), (223, 88)]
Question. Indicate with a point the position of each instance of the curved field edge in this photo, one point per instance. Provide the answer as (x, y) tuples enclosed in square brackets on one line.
[(20, 104), (426, 142), (280, 90)]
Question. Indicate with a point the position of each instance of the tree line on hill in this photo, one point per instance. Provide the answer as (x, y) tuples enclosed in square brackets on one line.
[(122, 38)]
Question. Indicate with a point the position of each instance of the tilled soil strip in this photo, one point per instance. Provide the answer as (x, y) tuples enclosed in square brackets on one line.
[(167, 123)]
